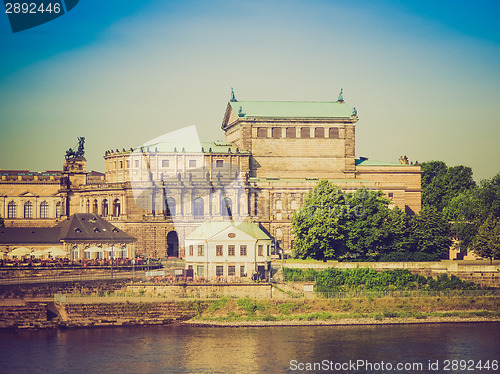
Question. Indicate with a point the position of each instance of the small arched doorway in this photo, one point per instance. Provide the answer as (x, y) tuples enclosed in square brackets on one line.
[(172, 244)]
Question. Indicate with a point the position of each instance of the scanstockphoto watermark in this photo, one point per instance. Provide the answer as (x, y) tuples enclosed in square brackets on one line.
[(404, 367), (25, 15), (338, 210)]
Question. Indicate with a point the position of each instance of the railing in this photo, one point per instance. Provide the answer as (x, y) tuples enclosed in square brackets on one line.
[(405, 294), (118, 276)]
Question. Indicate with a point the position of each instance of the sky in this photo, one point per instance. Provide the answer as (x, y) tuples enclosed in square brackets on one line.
[(423, 75)]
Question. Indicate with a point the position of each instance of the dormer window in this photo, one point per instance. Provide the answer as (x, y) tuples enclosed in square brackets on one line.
[(96, 230), (115, 230), (77, 230)]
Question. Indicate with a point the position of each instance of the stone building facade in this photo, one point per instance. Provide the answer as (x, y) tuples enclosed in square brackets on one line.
[(273, 154)]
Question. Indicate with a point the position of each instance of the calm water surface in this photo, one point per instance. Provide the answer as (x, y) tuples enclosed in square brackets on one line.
[(177, 349)]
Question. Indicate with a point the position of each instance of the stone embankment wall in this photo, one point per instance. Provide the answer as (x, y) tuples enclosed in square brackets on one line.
[(18, 314), (126, 313), (485, 275)]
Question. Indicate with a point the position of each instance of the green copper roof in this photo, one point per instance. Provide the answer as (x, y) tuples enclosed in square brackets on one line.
[(291, 109), (378, 163), (208, 229)]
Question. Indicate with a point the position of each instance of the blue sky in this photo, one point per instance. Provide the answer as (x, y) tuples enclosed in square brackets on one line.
[(424, 76)]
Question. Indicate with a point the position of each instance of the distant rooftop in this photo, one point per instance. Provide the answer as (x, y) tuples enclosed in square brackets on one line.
[(190, 147)]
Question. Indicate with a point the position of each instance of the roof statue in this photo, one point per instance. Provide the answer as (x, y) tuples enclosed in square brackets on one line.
[(80, 152), (354, 112), (340, 98), (233, 98)]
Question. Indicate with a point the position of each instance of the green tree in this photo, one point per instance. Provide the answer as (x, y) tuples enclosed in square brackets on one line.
[(318, 224), (337, 225), (487, 241), (489, 194), (366, 224), (441, 184), (430, 233)]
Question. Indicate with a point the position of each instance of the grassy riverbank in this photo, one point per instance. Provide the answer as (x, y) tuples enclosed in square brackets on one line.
[(363, 309)]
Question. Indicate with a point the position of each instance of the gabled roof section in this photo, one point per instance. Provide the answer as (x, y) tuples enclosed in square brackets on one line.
[(27, 194), (90, 227), (209, 229), (292, 109)]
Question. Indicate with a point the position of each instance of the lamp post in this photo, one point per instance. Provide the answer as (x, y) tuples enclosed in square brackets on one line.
[(112, 256)]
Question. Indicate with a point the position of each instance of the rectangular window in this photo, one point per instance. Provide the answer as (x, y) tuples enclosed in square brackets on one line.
[(182, 252), (243, 250), (191, 250), (231, 270), (242, 271), (305, 132), (333, 133), (262, 132), (128, 164), (219, 163), (230, 250), (136, 164), (276, 132), (200, 271), (165, 163), (291, 132), (260, 250), (192, 163), (218, 250), (391, 195), (219, 270), (319, 132), (200, 250)]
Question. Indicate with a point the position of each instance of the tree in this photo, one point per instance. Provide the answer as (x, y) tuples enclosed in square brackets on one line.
[(337, 225), (365, 227), (441, 184), (430, 233), (487, 241), (318, 226)]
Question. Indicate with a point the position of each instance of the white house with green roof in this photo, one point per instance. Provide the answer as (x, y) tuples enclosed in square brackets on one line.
[(228, 250)]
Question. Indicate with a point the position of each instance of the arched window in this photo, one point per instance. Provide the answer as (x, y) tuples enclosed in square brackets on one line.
[(198, 208), (105, 208), (226, 207), (333, 133), (319, 132), (44, 209), (28, 209), (95, 208), (170, 207), (87, 206), (116, 208), (58, 209), (75, 253), (11, 210)]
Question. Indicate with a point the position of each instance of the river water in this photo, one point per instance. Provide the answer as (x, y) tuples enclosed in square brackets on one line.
[(177, 349)]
